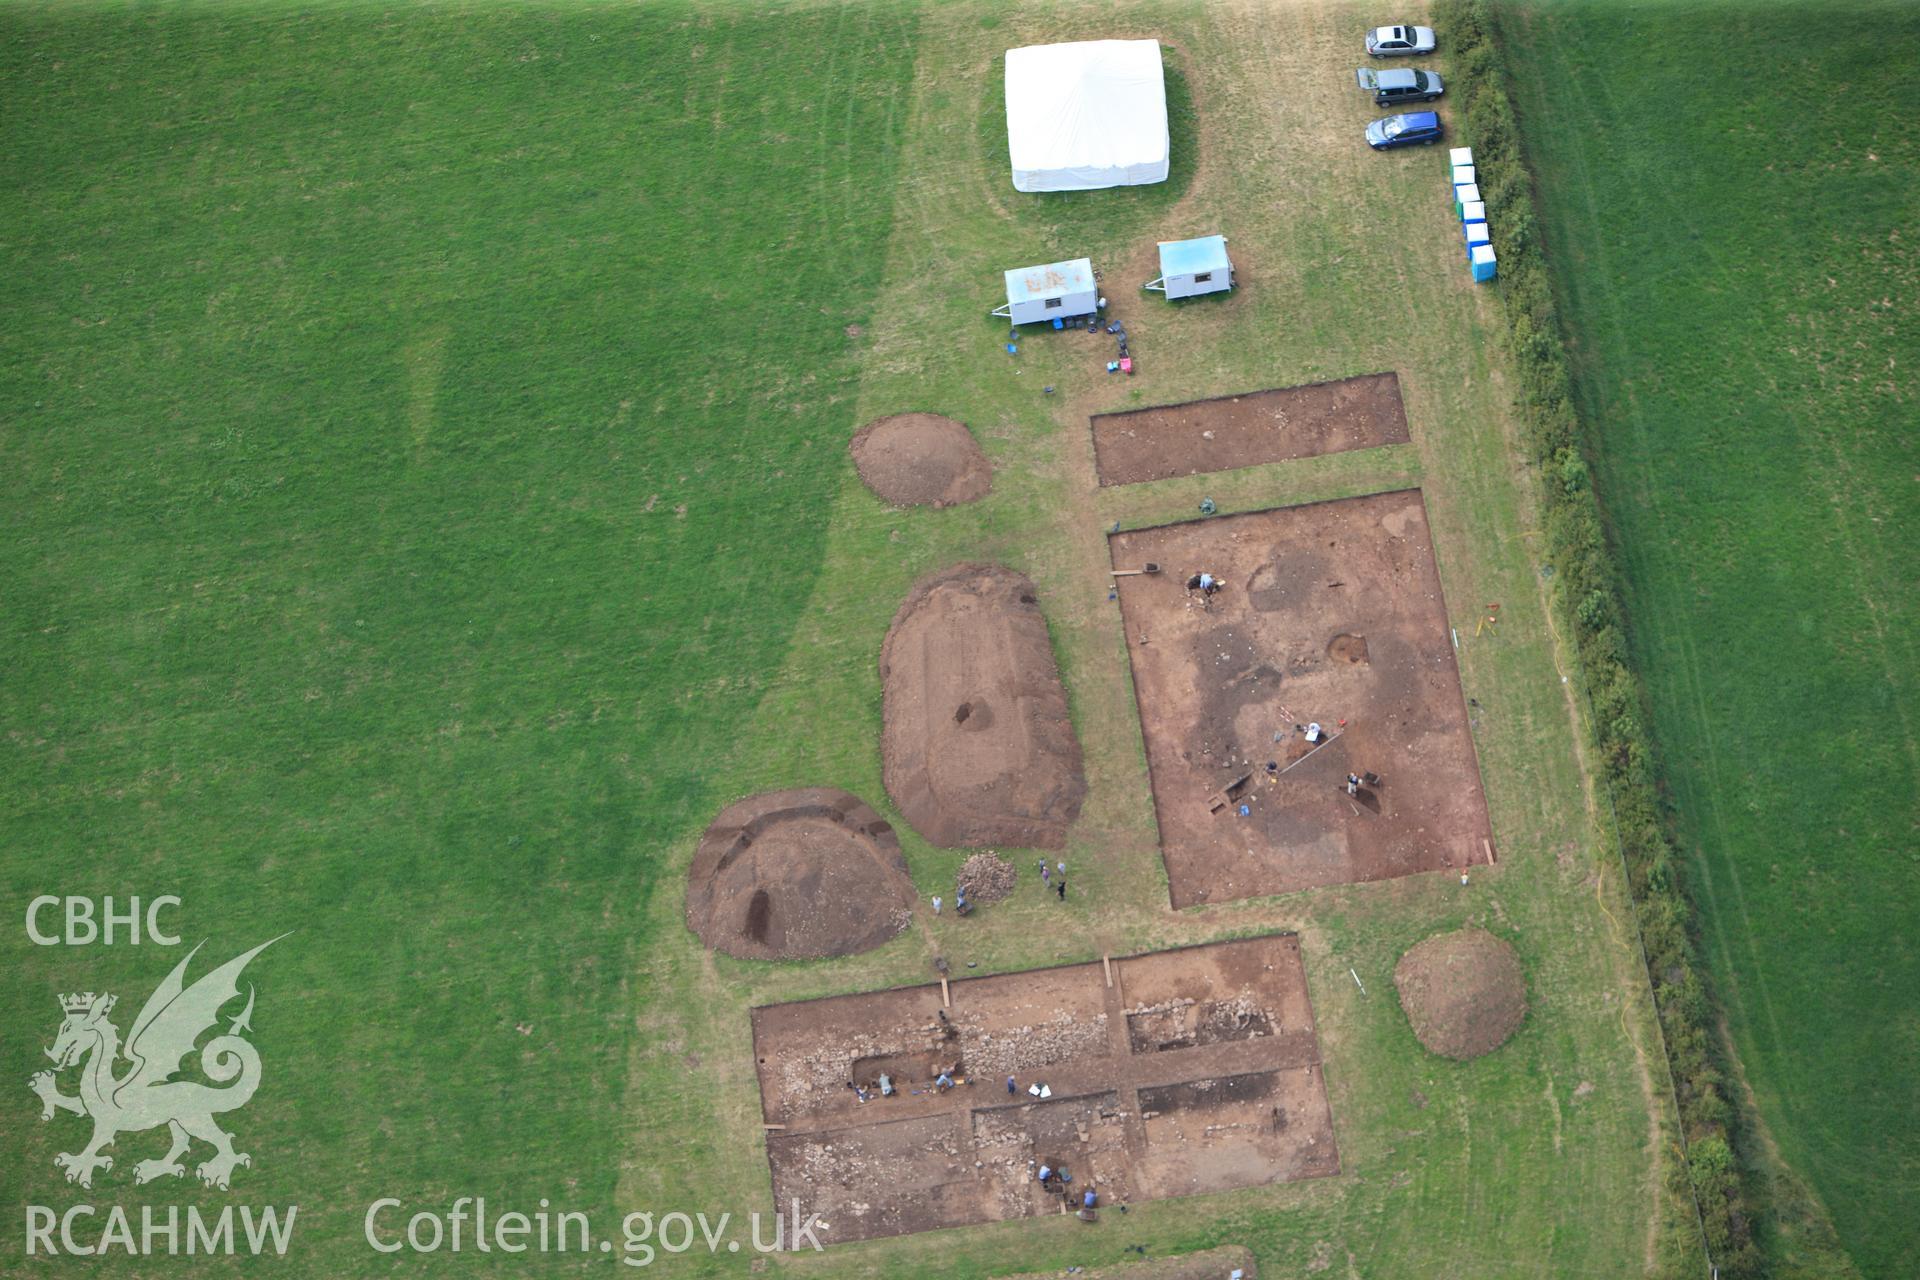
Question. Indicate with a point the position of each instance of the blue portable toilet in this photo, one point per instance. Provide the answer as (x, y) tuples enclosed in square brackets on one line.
[(1482, 260), (1463, 173), (1189, 268), (1473, 212), (1476, 234)]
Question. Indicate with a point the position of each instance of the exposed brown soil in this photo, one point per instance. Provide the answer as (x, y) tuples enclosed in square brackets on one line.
[(1462, 991), (1346, 648), (787, 875), (977, 746), (1332, 613), (1243, 431), (921, 460), (986, 878), (1135, 1121)]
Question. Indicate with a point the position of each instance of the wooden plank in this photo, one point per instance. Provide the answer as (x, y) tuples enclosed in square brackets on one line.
[(1107, 962), (1487, 846), (946, 998)]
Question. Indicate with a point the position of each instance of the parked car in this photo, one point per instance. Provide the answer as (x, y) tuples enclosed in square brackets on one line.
[(1410, 129), (1390, 42), (1391, 88)]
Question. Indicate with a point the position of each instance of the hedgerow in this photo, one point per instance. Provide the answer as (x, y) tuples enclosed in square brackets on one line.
[(1587, 602)]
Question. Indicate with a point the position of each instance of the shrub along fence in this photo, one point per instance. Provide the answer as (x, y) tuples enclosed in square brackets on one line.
[(1587, 603)]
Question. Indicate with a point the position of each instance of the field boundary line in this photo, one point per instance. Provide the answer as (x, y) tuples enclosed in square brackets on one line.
[(1582, 561)]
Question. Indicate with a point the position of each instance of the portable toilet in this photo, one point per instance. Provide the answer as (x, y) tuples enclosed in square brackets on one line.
[(1056, 291), (1482, 260), (1463, 195), (1462, 173), (1460, 155), (1473, 211), (1189, 268), (1476, 234)]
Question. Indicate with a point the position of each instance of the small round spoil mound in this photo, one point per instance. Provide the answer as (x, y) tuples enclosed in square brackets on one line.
[(790, 875), (921, 460), (1463, 992), (986, 877)]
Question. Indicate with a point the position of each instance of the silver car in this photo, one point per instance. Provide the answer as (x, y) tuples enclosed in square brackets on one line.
[(1393, 42), (1401, 84)]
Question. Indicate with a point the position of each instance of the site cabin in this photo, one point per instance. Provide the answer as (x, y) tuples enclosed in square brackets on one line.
[(1056, 291), (1189, 268)]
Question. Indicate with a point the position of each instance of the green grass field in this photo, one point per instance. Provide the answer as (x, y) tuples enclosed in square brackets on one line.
[(428, 504), (1738, 268)]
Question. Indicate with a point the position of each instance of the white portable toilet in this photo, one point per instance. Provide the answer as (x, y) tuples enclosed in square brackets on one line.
[(1189, 268), (1056, 291)]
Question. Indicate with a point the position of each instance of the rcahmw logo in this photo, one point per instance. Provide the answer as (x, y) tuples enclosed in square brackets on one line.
[(147, 1095)]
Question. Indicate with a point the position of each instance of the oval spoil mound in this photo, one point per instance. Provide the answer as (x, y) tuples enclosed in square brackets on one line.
[(1462, 991), (921, 460), (791, 875), (1008, 771)]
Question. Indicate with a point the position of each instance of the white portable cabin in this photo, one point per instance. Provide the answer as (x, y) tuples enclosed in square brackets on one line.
[(1056, 291), (1087, 115), (1189, 268)]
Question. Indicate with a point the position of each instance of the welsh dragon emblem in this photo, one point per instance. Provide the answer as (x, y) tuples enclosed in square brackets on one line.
[(146, 1096)]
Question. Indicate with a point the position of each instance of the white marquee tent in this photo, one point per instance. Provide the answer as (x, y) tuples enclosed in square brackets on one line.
[(1087, 115)]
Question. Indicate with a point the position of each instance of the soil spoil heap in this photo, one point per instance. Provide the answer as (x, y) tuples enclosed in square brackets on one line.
[(921, 460), (1463, 992), (977, 746), (789, 875), (987, 877)]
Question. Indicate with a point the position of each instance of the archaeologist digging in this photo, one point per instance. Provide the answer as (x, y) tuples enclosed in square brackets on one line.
[(1207, 585)]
